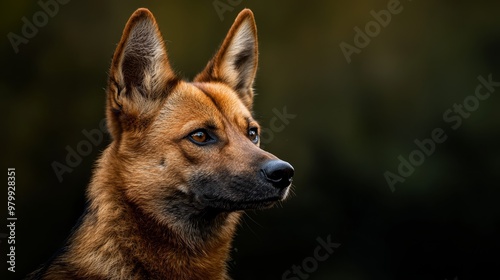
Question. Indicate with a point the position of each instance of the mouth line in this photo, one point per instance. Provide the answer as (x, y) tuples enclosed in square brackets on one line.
[(233, 205), (220, 199)]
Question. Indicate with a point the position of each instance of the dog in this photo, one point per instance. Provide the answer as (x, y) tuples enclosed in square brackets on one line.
[(183, 164)]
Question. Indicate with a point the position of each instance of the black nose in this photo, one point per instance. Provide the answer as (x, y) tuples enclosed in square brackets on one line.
[(278, 172)]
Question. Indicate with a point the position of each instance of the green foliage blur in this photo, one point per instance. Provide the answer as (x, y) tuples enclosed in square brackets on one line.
[(355, 124)]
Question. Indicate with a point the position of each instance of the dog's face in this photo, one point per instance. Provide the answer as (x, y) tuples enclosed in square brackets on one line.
[(187, 146)]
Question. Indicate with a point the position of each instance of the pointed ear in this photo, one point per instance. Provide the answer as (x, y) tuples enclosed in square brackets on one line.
[(235, 64), (140, 74)]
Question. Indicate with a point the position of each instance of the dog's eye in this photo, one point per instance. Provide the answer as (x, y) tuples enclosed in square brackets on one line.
[(200, 137), (253, 135)]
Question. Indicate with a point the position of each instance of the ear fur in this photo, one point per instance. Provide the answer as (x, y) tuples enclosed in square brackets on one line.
[(140, 74), (235, 63)]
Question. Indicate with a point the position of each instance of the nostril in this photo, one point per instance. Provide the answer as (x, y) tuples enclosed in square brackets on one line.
[(278, 172), (277, 175)]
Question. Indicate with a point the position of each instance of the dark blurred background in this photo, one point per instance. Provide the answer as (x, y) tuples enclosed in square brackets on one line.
[(353, 123)]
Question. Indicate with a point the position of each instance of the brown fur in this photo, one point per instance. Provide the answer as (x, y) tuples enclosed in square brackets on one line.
[(160, 205)]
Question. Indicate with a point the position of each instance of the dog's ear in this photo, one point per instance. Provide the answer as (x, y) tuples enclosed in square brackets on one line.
[(140, 75), (235, 63)]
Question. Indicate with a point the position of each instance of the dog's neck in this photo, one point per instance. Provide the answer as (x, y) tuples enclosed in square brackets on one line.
[(116, 240)]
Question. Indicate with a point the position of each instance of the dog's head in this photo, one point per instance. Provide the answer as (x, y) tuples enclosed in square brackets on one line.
[(183, 145)]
